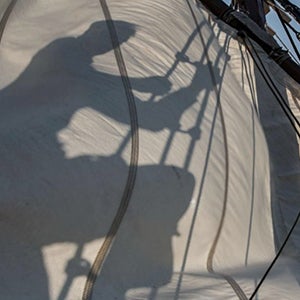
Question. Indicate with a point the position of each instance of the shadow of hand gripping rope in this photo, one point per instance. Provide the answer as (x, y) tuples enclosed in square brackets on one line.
[(62, 174)]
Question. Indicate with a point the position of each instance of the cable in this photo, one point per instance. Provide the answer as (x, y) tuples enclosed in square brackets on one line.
[(283, 23), (285, 46), (276, 257), (297, 33), (271, 84), (291, 8), (278, 96)]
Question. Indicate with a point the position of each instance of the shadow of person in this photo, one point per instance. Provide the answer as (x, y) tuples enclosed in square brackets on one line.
[(142, 254), (48, 197)]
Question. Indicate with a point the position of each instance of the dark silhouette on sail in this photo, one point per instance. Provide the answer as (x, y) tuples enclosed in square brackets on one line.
[(52, 199)]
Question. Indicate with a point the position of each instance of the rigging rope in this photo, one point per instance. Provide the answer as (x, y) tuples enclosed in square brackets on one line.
[(285, 46), (6, 16), (297, 33), (273, 88), (270, 83), (291, 8), (283, 23), (276, 257), (219, 109), (132, 172)]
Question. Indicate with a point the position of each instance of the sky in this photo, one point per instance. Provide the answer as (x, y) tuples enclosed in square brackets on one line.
[(274, 23)]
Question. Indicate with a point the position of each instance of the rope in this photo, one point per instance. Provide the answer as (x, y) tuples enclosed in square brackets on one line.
[(270, 83), (285, 46), (6, 16), (283, 23), (128, 190), (276, 257), (235, 286), (297, 33)]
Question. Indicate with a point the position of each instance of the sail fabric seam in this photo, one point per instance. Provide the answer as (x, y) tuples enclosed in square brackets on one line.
[(235, 286), (107, 244)]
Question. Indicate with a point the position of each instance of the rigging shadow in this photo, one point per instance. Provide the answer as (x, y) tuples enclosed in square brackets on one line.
[(48, 197)]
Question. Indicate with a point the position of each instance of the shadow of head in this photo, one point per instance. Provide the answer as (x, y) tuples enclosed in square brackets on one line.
[(101, 37)]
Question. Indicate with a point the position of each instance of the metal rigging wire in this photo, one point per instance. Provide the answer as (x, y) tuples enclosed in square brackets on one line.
[(284, 25), (292, 118), (297, 33), (285, 46), (291, 8)]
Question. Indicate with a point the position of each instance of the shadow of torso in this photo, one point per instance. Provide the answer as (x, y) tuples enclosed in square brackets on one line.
[(48, 198)]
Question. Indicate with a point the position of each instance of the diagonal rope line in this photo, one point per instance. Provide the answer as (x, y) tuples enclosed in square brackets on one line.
[(275, 258), (283, 23), (263, 71)]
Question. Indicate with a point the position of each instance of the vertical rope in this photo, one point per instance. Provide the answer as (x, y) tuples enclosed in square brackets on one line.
[(110, 237)]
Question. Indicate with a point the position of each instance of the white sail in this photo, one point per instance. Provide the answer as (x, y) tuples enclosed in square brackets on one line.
[(142, 129)]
